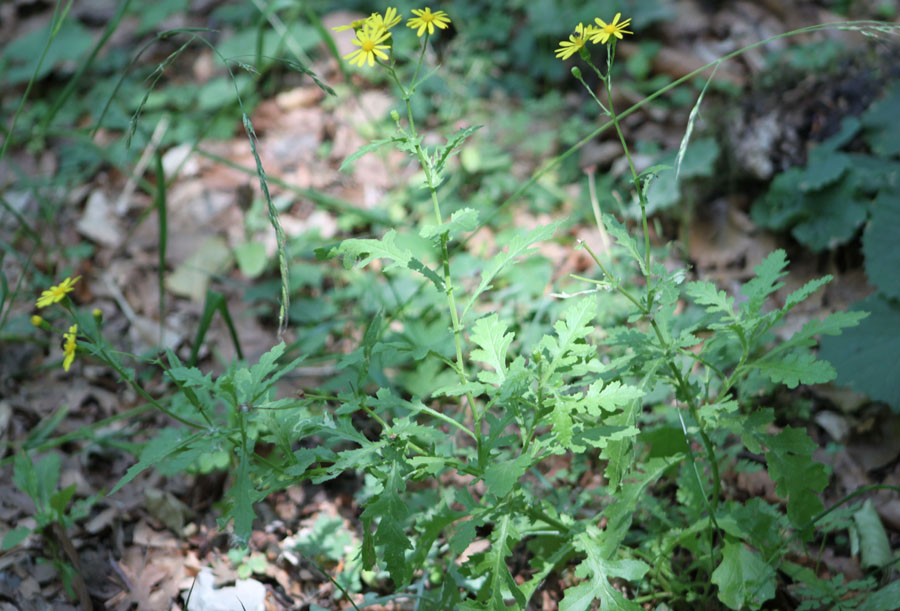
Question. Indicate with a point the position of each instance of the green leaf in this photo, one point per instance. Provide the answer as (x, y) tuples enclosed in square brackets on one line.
[(519, 246), (803, 292), (501, 476), (880, 123), (358, 252), (569, 345), (251, 258), (884, 599), (597, 570), (461, 221), (453, 142), (168, 443), (609, 398), (14, 537), (502, 541), (493, 341), (244, 495), (875, 548), (363, 150), (797, 477), (706, 294), (796, 368), (391, 510), (881, 246), (624, 239), (824, 167), (743, 577), (865, 356), (834, 213), (768, 273)]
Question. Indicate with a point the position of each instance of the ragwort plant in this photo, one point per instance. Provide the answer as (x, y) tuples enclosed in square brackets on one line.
[(650, 397)]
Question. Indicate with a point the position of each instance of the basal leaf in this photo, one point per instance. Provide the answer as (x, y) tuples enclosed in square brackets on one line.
[(880, 244), (744, 579), (493, 341), (865, 357), (391, 511)]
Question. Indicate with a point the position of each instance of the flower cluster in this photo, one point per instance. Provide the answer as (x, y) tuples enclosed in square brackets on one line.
[(599, 34), (55, 294), (373, 32)]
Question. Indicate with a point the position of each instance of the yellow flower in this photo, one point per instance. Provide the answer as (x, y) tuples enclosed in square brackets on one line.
[(37, 321), (606, 30), (386, 21), (568, 48), (426, 20), (354, 25), (69, 348), (368, 40), (57, 293)]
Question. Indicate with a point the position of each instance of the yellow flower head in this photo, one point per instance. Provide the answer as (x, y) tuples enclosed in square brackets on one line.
[(426, 20), (356, 25), (568, 48), (602, 34), (386, 21), (369, 40), (57, 293), (69, 348)]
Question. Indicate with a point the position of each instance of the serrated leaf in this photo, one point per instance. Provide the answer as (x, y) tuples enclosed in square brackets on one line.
[(461, 221), (392, 512), (624, 239), (796, 368), (493, 341), (501, 476), (743, 577), (363, 150), (519, 246), (880, 244), (598, 570), (880, 122), (502, 541), (833, 214), (569, 345), (797, 477), (803, 292), (164, 445), (706, 294), (453, 142), (609, 398), (865, 357), (358, 252), (243, 494), (824, 167), (768, 273)]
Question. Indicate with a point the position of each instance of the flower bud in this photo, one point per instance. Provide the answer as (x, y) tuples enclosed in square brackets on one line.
[(37, 321), (576, 72)]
